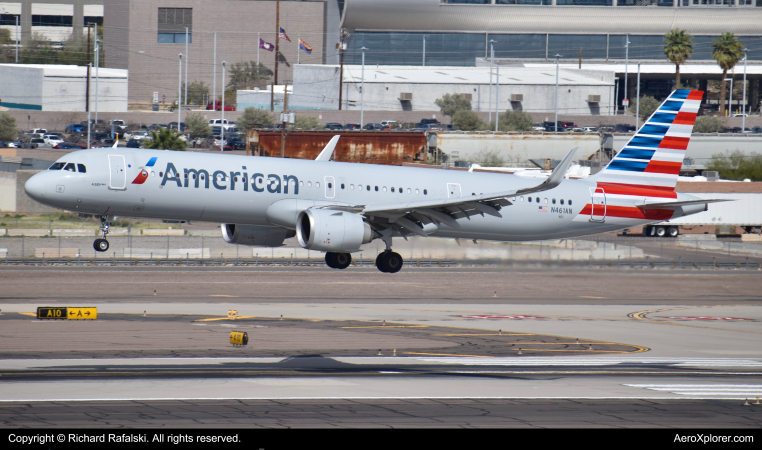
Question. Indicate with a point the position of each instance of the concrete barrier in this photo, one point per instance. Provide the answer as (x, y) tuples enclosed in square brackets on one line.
[(751, 238), (79, 232), (163, 232), (55, 252), (3, 252), (696, 237), (2, 231), (216, 232), (161, 253), (28, 232)]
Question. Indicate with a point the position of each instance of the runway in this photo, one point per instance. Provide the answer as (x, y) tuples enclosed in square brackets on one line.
[(445, 347)]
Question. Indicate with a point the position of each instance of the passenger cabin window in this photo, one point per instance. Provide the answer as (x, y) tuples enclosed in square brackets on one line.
[(392, 188), (425, 192), (376, 188), (529, 199), (57, 166), (554, 201), (562, 201), (368, 188), (569, 202)]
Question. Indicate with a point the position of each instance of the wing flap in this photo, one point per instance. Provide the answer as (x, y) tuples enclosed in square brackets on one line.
[(670, 205)]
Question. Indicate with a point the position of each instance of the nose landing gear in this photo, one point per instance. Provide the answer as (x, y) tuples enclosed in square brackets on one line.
[(101, 245)]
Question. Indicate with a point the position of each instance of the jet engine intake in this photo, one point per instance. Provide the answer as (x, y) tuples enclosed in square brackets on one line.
[(332, 231), (257, 235)]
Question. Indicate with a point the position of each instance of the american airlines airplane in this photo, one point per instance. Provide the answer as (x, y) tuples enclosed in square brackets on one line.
[(336, 207)]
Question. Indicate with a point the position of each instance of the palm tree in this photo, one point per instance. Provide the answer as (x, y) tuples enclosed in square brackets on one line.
[(678, 46), (165, 139), (727, 52)]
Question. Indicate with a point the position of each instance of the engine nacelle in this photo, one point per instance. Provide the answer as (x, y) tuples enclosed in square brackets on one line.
[(332, 231), (258, 235)]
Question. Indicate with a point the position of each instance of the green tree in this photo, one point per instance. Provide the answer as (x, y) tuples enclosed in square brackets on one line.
[(8, 130), (489, 158), (6, 53), (165, 139), (306, 122), (74, 51), (468, 120), (727, 52), (38, 50), (254, 118), (678, 46), (648, 105), (737, 165), (708, 124), (198, 125), (247, 75), (198, 92), (449, 104), (515, 120)]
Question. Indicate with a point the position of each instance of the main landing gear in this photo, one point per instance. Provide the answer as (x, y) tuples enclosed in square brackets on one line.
[(338, 260), (101, 245), (389, 262)]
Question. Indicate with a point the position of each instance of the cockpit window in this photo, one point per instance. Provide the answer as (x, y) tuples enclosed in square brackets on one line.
[(70, 167), (57, 166), (81, 168)]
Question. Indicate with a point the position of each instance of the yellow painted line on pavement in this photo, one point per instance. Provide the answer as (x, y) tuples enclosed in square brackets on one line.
[(486, 334), (223, 295), (587, 296), (392, 326), (28, 314), (641, 315), (224, 318)]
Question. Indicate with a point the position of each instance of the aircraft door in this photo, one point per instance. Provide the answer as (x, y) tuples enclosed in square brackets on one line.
[(117, 172), (330, 187), (453, 190), (598, 204)]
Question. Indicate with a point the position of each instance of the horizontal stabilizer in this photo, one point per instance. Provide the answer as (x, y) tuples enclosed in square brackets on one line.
[(669, 205), (555, 178)]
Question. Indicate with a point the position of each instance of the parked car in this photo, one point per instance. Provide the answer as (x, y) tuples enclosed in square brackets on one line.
[(624, 128), (68, 146), (133, 143), (427, 122), (590, 129), (237, 143), (391, 123), (36, 131), (75, 128), (38, 143), (334, 126), (756, 130), (223, 148), (139, 135), (353, 126), (372, 126), (156, 126), (538, 128), (217, 106), (173, 126), (225, 123), (52, 139), (13, 144)]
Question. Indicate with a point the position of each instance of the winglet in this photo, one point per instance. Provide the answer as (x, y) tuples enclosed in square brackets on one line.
[(555, 178), (116, 143), (327, 152)]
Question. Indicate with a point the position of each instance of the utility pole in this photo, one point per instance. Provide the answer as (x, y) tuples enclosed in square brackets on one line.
[(277, 42), (743, 116), (637, 102), (179, 90), (626, 60), (497, 96), (97, 64), (341, 70), (87, 88), (18, 39), (284, 122), (491, 64), (214, 82), (186, 71), (362, 88), (222, 121), (424, 50), (556, 106), (89, 122)]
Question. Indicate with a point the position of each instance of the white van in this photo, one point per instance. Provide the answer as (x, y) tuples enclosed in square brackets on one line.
[(221, 122)]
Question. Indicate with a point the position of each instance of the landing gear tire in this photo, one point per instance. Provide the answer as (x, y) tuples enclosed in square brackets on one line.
[(673, 232), (100, 245), (661, 231), (338, 260), (389, 262)]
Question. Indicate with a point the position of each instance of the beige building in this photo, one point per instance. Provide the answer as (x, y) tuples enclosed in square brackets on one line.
[(145, 37)]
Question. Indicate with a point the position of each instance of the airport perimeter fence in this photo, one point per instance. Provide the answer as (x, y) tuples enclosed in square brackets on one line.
[(209, 249)]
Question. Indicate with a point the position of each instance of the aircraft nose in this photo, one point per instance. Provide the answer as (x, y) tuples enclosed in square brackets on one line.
[(35, 186)]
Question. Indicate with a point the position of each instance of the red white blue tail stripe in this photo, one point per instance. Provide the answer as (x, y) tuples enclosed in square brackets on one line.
[(653, 157), (648, 166)]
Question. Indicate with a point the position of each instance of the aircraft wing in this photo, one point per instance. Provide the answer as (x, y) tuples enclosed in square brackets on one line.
[(411, 216)]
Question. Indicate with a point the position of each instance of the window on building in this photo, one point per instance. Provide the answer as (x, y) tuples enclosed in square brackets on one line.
[(93, 19), (50, 21), (9, 19), (172, 25)]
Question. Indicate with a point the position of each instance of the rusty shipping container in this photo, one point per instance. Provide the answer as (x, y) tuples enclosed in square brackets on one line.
[(371, 147)]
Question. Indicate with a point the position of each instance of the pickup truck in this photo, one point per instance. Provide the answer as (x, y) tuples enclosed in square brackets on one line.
[(221, 122)]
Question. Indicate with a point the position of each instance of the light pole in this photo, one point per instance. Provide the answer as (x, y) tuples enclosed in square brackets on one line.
[(97, 64), (626, 60), (730, 95), (616, 96), (637, 102), (186, 69), (743, 116), (18, 39), (179, 90), (89, 122), (491, 64), (424, 50), (497, 97), (362, 89), (214, 69), (556, 122), (222, 121)]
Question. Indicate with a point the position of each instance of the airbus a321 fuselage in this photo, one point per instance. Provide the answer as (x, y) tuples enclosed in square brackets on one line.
[(337, 207)]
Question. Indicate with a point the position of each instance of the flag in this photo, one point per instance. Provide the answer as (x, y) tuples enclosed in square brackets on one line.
[(266, 45), (543, 209), (283, 35), (304, 46)]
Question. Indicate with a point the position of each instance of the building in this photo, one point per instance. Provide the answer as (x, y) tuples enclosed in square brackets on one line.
[(53, 19), (457, 32), (46, 87), (146, 37), (415, 88)]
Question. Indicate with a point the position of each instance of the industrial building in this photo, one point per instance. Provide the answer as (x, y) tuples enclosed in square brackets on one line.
[(411, 88), (52, 19), (45, 87)]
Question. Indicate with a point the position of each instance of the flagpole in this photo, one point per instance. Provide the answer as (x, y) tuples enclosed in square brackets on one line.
[(214, 83), (259, 44), (277, 39), (298, 43)]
